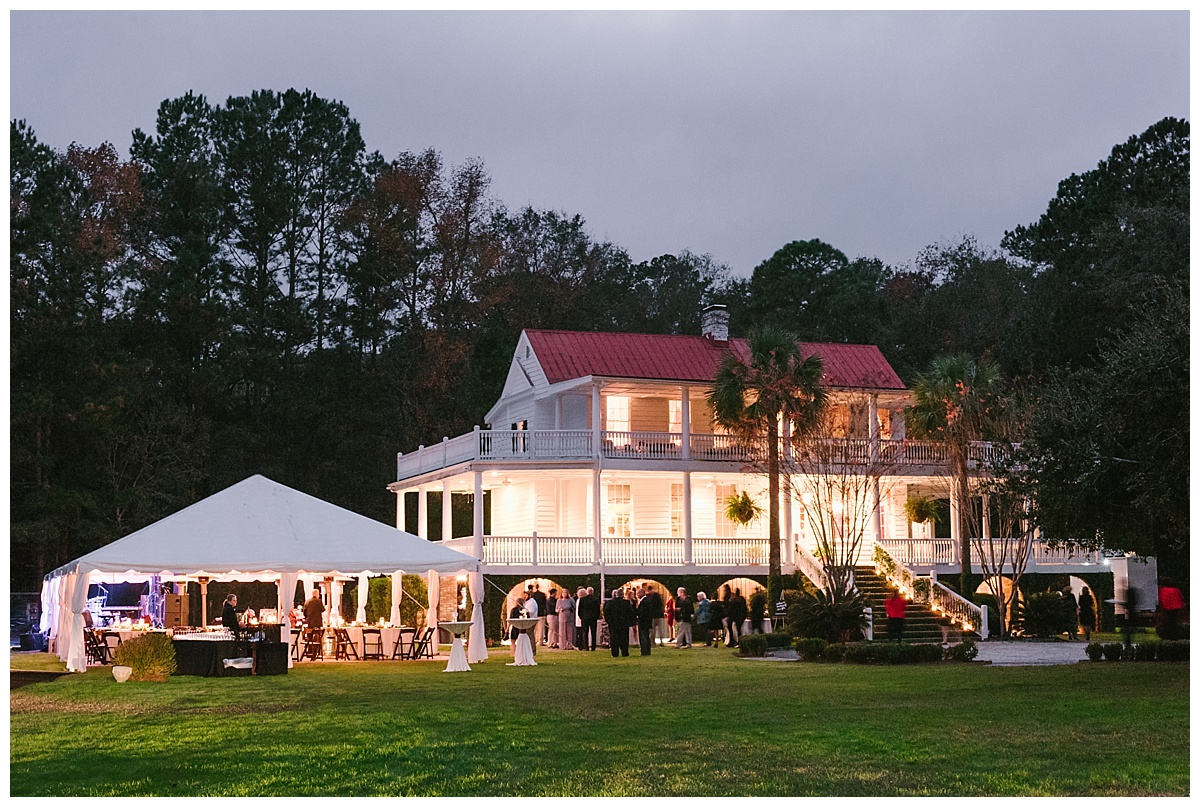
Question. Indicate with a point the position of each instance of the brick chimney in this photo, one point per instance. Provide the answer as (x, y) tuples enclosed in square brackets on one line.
[(714, 323)]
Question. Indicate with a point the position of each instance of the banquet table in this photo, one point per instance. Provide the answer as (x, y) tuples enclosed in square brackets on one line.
[(523, 650), (204, 657), (458, 656), (388, 635)]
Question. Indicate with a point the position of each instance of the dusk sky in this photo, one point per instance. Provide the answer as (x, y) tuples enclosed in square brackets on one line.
[(716, 132)]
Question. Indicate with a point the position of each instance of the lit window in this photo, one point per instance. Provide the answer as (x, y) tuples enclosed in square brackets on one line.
[(619, 512), (675, 416), (724, 527), (617, 414), (676, 511)]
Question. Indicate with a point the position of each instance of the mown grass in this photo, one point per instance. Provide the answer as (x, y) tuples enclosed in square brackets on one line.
[(695, 723), (36, 662)]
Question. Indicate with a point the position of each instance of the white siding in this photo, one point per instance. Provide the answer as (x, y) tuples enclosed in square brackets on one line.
[(513, 509), (529, 361), (577, 502), (575, 411), (546, 507), (651, 507)]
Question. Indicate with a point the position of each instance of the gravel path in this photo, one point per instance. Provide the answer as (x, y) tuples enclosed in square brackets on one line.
[(1031, 653)]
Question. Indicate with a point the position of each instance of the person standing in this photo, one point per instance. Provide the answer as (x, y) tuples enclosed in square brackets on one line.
[(314, 611), (684, 613), (1087, 613), (1071, 609), (539, 635), (737, 612), (589, 616), (531, 611), (649, 611), (894, 606), (1170, 604), (517, 612), (566, 620), (704, 618), (619, 615), (552, 619), (670, 612), (229, 619)]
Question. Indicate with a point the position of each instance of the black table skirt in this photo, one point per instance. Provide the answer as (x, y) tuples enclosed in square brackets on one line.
[(204, 658)]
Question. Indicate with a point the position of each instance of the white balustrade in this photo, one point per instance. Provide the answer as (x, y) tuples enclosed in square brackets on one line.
[(730, 551), (920, 552), (946, 602), (812, 569), (1044, 555), (574, 444)]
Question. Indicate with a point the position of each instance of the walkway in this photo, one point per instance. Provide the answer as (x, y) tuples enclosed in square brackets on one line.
[(1031, 653)]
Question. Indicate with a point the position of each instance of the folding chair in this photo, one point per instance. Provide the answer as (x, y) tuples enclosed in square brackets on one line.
[(372, 643), (297, 635), (314, 644), (343, 645), (423, 647), (96, 650), (398, 648)]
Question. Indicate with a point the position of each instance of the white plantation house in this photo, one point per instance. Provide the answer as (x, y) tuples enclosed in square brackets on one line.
[(602, 455)]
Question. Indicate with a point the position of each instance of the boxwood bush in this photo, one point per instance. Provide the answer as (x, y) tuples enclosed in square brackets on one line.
[(1146, 651), (777, 640), (1095, 651), (1114, 651), (152, 657), (835, 652), (1175, 650), (874, 653), (754, 644), (966, 650), (811, 649)]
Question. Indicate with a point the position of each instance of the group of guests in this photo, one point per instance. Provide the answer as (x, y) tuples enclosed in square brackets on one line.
[(565, 622), (635, 614)]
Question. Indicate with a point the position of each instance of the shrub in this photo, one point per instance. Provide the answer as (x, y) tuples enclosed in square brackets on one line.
[(873, 653), (777, 640), (966, 650), (1114, 651), (152, 657), (758, 608), (810, 649), (821, 617), (1173, 650), (1095, 651), (753, 645), (1047, 614), (835, 652), (1146, 651)]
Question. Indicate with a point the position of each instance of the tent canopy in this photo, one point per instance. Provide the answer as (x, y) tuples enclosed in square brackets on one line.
[(259, 529)]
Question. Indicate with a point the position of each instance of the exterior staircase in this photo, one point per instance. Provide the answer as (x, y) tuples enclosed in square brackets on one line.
[(921, 625)]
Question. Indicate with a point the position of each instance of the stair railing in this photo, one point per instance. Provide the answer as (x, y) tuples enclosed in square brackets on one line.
[(914, 588), (950, 604), (811, 568)]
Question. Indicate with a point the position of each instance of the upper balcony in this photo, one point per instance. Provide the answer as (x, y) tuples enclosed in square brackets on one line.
[(579, 445)]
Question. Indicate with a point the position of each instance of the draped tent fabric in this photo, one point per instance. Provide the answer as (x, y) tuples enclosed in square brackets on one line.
[(431, 616), (287, 599), (256, 529), (397, 595), (363, 583), (477, 643), (335, 602)]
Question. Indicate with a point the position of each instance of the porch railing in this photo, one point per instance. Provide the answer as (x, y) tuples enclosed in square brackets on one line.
[(577, 444), (920, 551), (950, 604), (1044, 555), (899, 575), (812, 568)]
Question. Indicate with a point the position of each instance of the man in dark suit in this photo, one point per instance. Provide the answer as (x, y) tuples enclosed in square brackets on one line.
[(620, 616), (649, 609), (538, 596), (589, 615)]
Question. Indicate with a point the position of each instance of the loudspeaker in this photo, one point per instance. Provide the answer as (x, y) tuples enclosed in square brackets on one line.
[(175, 613)]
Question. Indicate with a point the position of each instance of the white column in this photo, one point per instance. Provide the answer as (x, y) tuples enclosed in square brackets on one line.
[(557, 412), (596, 418), (477, 517), (873, 427), (787, 500), (400, 510), (447, 513), (987, 524), (596, 516), (422, 513), (685, 420), (955, 533), (876, 513), (687, 510)]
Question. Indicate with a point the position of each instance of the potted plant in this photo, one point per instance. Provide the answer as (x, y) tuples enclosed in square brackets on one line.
[(741, 509), (921, 509)]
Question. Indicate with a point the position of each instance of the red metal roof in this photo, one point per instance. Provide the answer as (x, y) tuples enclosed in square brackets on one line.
[(565, 355)]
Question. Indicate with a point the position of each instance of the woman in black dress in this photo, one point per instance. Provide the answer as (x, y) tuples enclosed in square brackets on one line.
[(229, 619)]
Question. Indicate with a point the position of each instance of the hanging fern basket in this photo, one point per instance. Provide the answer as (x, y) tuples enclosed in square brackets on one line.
[(921, 509)]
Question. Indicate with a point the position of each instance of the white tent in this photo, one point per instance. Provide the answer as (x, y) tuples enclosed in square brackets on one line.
[(254, 530)]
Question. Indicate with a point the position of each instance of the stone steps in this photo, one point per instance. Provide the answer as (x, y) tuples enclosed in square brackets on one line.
[(921, 625)]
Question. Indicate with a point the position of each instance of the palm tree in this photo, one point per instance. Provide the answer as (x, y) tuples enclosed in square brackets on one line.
[(754, 396), (953, 403)]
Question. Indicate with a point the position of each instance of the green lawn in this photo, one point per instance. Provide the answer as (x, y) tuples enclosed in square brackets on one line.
[(696, 723)]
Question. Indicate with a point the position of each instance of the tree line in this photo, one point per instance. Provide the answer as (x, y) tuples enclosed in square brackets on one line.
[(254, 291)]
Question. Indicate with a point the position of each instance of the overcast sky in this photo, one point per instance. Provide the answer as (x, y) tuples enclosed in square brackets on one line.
[(722, 133)]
